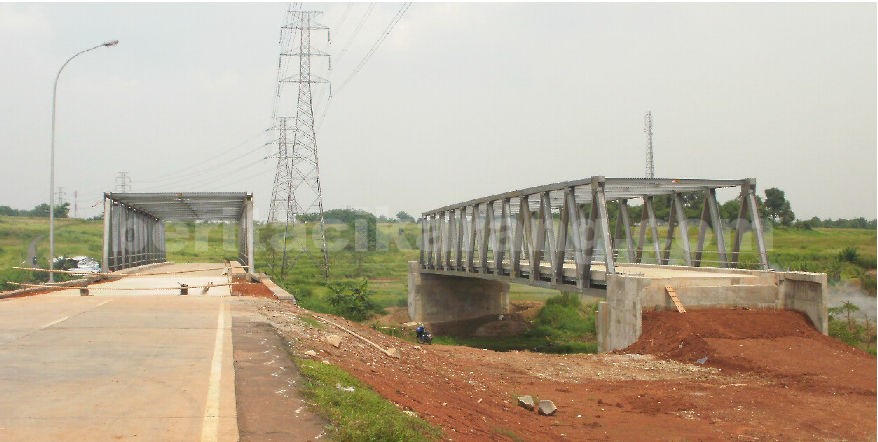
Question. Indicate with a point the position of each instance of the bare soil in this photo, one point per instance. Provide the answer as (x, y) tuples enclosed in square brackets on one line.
[(768, 375), (254, 289), (33, 293)]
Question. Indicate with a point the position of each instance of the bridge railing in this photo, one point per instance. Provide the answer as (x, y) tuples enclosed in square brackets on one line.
[(559, 234)]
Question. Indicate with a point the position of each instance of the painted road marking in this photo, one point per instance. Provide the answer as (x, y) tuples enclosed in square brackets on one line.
[(55, 322), (210, 425), (58, 321)]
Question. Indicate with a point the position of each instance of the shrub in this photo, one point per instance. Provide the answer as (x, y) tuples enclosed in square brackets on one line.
[(849, 254), (351, 300), (563, 316)]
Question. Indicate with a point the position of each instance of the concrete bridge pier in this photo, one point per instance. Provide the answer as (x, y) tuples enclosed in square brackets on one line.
[(442, 298)]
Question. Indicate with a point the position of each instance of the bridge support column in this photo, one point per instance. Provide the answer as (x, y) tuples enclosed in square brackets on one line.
[(620, 317), (440, 298)]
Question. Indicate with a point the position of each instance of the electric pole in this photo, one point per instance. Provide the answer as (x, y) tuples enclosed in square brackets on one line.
[(296, 190), (647, 128), (76, 204)]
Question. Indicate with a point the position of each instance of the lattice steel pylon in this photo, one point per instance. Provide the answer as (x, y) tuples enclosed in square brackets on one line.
[(647, 129), (296, 195)]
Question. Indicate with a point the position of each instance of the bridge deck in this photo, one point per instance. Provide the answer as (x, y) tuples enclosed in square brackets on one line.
[(598, 274)]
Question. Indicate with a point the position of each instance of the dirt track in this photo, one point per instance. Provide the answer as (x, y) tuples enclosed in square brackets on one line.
[(768, 375)]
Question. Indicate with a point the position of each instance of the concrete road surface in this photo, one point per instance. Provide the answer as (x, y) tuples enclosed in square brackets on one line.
[(120, 364)]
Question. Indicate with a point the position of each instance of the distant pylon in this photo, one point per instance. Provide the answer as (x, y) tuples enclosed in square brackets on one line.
[(296, 195), (123, 182), (61, 195), (647, 128)]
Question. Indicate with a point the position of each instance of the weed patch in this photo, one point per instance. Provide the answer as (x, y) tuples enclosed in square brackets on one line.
[(361, 414)]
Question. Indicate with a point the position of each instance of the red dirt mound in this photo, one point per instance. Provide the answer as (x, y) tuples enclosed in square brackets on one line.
[(780, 344)]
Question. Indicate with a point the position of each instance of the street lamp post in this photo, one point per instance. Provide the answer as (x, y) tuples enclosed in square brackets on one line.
[(52, 160)]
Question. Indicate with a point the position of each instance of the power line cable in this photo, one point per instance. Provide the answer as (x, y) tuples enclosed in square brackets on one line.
[(195, 172), (218, 157), (396, 18)]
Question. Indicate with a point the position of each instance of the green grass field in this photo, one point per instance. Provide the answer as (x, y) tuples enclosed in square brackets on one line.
[(386, 268)]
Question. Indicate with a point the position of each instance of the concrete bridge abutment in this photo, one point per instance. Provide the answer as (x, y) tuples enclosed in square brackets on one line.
[(442, 298), (620, 317)]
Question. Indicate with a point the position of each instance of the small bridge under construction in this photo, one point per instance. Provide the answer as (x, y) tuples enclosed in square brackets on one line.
[(559, 236)]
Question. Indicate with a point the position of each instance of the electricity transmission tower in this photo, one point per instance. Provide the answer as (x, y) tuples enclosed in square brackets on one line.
[(296, 195), (123, 182), (61, 195), (647, 128)]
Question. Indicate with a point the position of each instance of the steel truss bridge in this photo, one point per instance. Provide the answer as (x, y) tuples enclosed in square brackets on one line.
[(559, 236)]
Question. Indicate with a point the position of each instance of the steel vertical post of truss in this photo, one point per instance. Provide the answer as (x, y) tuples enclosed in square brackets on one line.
[(471, 239), (672, 221), (161, 242), (527, 224), (703, 225), (123, 214), (119, 234), (517, 241), (718, 230), (502, 237), (461, 233), (251, 262), (486, 236), (430, 242), (653, 229), (440, 243), (641, 232), (423, 249), (590, 240), (549, 222), (539, 243), (626, 223), (739, 227), (576, 217), (684, 229), (450, 241), (561, 244), (757, 223), (105, 258), (599, 197)]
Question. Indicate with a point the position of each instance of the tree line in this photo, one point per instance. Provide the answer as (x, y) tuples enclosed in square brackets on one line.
[(42, 210)]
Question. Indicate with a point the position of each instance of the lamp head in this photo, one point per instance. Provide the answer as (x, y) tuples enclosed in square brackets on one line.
[(111, 43)]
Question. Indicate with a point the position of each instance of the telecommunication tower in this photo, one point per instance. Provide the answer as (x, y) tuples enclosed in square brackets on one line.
[(296, 195), (647, 128)]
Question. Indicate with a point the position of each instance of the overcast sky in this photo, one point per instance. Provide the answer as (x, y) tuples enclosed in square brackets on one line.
[(460, 101)]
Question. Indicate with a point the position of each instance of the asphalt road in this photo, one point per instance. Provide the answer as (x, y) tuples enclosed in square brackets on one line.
[(140, 365)]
